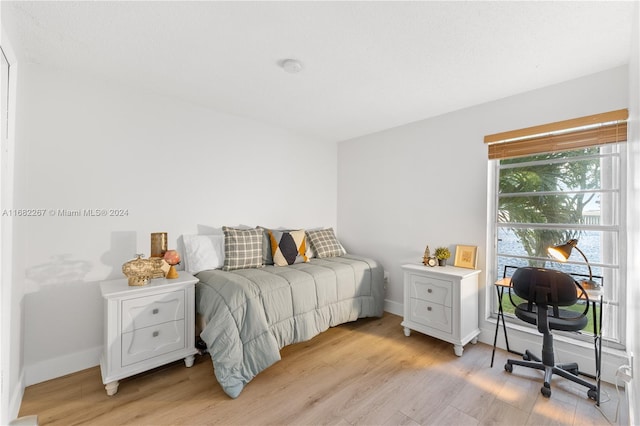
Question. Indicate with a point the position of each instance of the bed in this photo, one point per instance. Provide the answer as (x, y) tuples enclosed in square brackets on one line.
[(251, 313)]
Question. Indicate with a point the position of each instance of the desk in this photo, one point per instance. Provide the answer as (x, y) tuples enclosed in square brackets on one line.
[(595, 298)]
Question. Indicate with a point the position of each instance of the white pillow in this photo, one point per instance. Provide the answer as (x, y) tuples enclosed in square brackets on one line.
[(203, 252)]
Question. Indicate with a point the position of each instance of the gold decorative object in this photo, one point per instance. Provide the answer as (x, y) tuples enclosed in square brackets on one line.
[(139, 271), (160, 267), (172, 257), (158, 244)]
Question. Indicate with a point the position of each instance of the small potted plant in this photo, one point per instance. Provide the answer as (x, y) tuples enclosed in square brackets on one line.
[(442, 253)]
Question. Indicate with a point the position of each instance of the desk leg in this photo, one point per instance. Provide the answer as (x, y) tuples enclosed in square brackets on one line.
[(597, 341), (597, 329), (597, 347), (500, 291)]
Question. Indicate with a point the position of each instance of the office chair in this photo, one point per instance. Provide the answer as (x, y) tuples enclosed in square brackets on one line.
[(544, 292)]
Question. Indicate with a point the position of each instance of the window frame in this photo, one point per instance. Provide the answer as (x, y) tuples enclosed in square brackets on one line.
[(493, 274)]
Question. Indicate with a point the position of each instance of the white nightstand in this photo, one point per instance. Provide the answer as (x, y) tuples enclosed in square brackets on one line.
[(442, 301), (146, 326)]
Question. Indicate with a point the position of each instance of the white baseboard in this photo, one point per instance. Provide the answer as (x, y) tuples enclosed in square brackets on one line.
[(61, 366), (16, 398), (394, 307)]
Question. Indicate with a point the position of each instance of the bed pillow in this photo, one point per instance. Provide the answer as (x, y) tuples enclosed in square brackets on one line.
[(267, 257), (203, 252), (325, 243), (288, 247), (310, 252), (242, 248)]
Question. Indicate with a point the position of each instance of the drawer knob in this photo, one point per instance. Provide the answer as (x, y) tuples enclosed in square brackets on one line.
[(429, 308), (429, 291), (155, 311), (156, 333)]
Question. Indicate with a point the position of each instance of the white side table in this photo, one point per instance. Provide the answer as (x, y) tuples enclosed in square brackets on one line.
[(146, 326), (442, 301)]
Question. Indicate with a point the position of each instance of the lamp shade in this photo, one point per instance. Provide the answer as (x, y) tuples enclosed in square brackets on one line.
[(563, 251)]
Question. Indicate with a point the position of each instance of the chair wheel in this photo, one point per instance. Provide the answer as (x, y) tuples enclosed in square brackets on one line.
[(592, 394), (508, 367), (574, 371), (546, 392), (526, 357)]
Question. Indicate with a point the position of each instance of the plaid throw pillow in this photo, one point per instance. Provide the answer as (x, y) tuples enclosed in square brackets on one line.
[(242, 248), (325, 243)]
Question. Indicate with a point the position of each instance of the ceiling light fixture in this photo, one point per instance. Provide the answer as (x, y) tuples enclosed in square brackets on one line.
[(291, 66)]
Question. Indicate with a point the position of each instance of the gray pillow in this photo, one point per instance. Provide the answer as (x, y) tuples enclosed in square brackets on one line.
[(267, 257)]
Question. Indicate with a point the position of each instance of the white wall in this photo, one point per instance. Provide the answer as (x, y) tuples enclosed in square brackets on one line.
[(426, 182), (633, 259), (178, 168), (12, 386)]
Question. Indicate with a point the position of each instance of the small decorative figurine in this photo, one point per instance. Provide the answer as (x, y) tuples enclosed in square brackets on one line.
[(427, 259), (427, 255)]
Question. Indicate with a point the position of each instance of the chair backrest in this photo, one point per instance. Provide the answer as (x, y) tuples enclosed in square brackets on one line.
[(544, 287)]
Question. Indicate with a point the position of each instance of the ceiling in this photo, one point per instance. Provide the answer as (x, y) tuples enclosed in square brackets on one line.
[(367, 66)]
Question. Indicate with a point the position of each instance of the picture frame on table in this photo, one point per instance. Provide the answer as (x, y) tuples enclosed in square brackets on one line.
[(466, 256)]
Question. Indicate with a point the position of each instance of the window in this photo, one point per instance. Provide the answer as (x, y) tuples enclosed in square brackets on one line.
[(547, 193)]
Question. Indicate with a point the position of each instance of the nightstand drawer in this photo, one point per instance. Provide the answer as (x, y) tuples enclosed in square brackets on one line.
[(145, 343), (431, 289), (151, 310), (431, 314)]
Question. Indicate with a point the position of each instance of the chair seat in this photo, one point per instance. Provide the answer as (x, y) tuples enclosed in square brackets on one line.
[(567, 320)]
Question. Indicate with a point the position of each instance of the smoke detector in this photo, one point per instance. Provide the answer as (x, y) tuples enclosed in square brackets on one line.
[(291, 66)]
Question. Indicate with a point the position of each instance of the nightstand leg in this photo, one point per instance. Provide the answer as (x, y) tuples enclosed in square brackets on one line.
[(188, 361), (112, 387), (474, 340), (407, 331), (457, 349)]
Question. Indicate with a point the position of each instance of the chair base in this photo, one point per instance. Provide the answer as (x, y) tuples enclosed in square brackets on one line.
[(569, 371)]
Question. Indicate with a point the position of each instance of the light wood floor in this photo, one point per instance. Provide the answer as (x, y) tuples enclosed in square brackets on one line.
[(365, 372)]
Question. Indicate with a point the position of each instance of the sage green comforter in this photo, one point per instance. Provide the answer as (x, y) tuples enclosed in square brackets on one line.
[(252, 313)]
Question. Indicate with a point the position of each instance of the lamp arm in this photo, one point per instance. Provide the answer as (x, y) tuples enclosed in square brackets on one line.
[(587, 262)]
